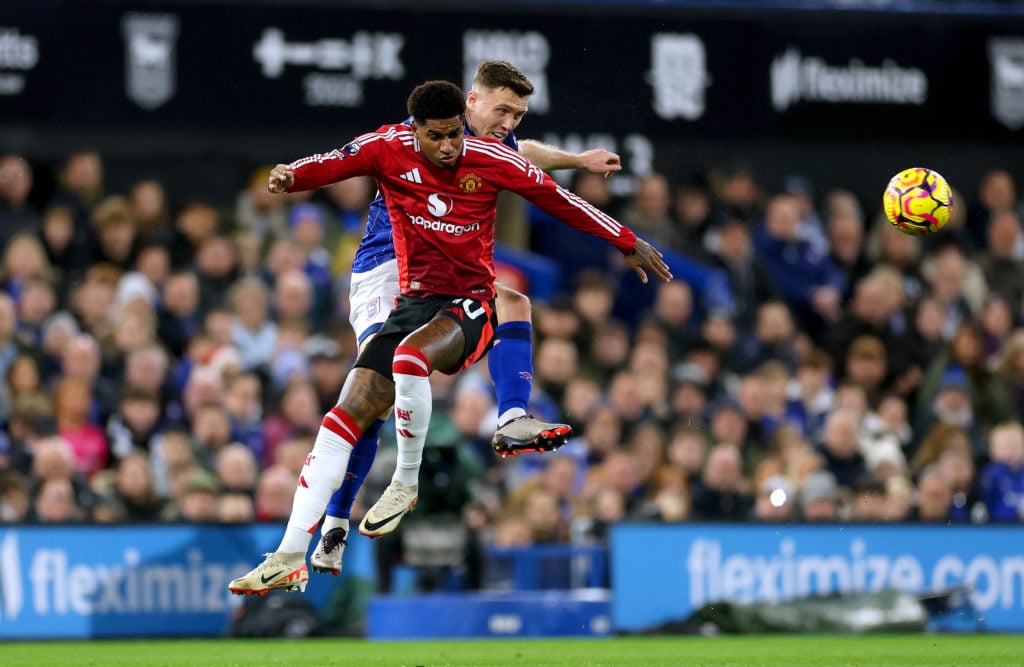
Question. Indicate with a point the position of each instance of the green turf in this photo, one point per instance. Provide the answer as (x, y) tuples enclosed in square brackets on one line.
[(898, 651)]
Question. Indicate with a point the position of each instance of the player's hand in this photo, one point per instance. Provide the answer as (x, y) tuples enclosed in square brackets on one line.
[(601, 161), (281, 178), (646, 256)]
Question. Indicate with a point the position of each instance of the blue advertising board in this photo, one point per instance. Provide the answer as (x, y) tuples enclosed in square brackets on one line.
[(663, 573), (567, 613), (122, 581)]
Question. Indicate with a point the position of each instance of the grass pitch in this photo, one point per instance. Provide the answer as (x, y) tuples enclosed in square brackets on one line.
[(874, 651)]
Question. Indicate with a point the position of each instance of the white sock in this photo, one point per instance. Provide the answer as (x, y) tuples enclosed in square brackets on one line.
[(332, 522), (413, 405), (509, 415), (321, 476)]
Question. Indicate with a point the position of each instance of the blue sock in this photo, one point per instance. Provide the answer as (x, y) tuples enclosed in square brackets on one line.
[(359, 464), (511, 366)]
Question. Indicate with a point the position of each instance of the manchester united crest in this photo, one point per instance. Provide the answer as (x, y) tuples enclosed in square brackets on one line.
[(470, 183)]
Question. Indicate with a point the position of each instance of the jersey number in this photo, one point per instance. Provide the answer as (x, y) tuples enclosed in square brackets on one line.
[(467, 305)]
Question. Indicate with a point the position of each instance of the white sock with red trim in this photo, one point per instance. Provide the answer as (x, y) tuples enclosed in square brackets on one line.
[(412, 411), (321, 476)]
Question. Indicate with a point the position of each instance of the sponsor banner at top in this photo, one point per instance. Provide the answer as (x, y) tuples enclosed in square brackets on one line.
[(678, 72)]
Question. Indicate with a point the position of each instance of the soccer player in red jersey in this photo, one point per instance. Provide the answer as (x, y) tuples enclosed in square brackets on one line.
[(441, 190)]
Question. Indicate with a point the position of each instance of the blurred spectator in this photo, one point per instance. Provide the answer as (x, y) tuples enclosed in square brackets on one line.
[(806, 278), (957, 466), (291, 454), (870, 500), (876, 310), (24, 259), (648, 212), (328, 368), (136, 423), (178, 316), (252, 330), (997, 193), (298, 415), (956, 282), (963, 365), (883, 458), (819, 498), (14, 496), (236, 469), (1003, 259), (1010, 369), (235, 508), (953, 404), (845, 228), (135, 489), (216, 266), (274, 493), (16, 211), (1002, 480), (719, 494), (840, 448), (243, 400), (38, 303), (692, 213), (57, 234), (149, 208), (81, 189), (197, 502), (995, 326), (211, 432), (751, 284), (115, 232), (54, 502), (195, 224), (866, 364), (259, 211), (934, 497), (88, 442), (674, 312)]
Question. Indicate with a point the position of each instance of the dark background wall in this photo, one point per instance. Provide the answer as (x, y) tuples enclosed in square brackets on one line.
[(200, 93)]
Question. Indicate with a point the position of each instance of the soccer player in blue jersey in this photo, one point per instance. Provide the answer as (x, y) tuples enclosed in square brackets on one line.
[(495, 106)]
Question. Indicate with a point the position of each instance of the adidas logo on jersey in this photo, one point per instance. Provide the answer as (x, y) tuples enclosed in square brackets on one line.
[(412, 176)]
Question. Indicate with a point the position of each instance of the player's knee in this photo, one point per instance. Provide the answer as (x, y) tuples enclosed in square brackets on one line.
[(512, 306)]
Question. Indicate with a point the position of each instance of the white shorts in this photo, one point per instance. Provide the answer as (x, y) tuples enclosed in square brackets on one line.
[(372, 297)]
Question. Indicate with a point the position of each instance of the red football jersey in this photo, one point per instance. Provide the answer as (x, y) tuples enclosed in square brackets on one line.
[(443, 219)]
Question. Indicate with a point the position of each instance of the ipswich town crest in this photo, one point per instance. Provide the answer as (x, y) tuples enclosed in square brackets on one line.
[(150, 44)]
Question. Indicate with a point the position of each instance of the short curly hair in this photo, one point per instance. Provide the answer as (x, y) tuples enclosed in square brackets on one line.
[(433, 100)]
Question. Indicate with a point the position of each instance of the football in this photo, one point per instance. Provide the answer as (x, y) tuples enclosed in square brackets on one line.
[(918, 201)]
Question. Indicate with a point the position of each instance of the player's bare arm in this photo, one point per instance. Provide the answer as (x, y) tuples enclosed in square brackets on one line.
[(646, 256), (281, 178), (549, 158)]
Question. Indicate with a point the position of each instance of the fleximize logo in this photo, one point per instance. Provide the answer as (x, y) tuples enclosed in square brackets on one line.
[(796, 77), (12, 594)]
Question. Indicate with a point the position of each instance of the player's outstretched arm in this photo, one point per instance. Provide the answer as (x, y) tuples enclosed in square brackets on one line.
[(281, 178), (646, 256), (549, 158)]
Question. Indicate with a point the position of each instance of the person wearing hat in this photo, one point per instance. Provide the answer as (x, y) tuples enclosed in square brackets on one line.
[(883, 457), (819, 497), (198, 499)]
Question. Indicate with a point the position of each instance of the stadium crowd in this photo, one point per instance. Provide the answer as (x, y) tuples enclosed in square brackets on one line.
[(171, 361)]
